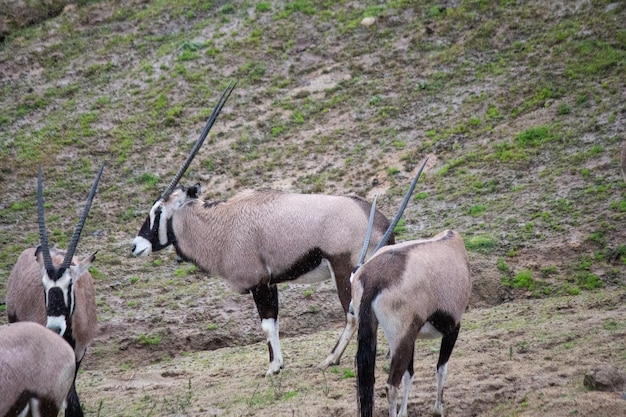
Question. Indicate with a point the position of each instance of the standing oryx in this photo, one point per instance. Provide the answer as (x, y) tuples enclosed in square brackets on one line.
[(37, 369), (416, 289), (67, 304), (258, 239)]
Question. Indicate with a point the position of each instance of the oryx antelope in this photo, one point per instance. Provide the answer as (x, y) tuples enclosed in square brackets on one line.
[(37, 369), (66, 301), (415, 289), (258, 239)]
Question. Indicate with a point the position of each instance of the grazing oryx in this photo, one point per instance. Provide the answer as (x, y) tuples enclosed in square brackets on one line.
[(416, 289), (67, 304), (37, 370), (258, 239)]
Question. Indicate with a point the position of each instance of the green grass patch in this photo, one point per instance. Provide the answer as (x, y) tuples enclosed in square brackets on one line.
[(535, 136), (149, 340), (480, 243)]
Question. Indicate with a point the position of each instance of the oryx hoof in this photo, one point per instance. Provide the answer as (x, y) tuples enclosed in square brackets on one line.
[(330, 361), (274, 370), (437, 411)]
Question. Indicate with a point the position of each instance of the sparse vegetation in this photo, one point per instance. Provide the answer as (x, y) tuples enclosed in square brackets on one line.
[(518, 105)]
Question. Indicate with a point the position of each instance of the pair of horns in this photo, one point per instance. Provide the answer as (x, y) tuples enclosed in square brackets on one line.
[(47, 259), (200, 141), (394, 222)]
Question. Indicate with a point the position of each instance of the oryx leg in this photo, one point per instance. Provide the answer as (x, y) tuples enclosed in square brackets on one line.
[(407, 381), (335, 355), (447, 344), (266, 300), (341, 276), (401, 336), (401, 370)]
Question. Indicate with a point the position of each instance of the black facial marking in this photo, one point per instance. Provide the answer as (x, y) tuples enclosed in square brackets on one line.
[(152, 235), (145, 230), (56, 304)]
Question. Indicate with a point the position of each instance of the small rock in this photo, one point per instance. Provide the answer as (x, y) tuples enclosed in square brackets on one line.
[(605, 378), (368, 21)]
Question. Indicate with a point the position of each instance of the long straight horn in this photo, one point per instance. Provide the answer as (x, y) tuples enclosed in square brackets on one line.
[(200, 141), (368, 234), (79, 227), (43, 235), (405, 201)]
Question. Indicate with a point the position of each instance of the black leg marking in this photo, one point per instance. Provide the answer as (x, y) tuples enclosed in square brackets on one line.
[(266, 300), (447, 345)]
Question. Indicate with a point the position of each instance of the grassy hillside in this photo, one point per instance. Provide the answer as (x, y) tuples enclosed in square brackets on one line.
[(519, 106)]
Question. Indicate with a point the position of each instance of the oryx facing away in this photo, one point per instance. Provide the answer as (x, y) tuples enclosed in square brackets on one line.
[(415, 289), (258, 239), (66, 301), (37, 369)]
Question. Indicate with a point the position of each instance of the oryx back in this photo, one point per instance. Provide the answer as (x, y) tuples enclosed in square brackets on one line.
[(280, 235)]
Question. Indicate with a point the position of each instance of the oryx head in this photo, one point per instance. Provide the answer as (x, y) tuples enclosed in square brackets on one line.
[(59, 283), (156, 233)]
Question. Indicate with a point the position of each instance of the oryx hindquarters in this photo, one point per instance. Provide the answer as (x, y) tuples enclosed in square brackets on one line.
[(415, 289), (37, 370)]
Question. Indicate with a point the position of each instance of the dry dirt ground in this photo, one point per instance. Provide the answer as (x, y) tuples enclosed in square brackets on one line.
[(175, 342), (523, 358)]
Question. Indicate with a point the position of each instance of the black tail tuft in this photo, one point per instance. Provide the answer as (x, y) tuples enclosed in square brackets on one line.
[(366, 359), (73, 404)]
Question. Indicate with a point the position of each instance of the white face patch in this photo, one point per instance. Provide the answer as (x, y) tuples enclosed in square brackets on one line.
[(57, 324), (141, 246)]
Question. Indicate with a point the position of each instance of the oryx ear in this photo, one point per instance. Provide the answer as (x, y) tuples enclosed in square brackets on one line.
[(193, 191), (39, 256), (84, 265)]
